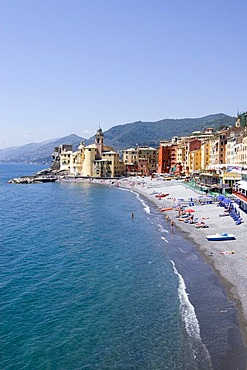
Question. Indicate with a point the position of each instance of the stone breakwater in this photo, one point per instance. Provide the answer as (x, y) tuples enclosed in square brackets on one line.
[(33, 179), (52, 176)]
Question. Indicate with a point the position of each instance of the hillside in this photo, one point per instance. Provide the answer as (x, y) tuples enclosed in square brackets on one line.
[(119, 137), (36, 152), (150, 133)]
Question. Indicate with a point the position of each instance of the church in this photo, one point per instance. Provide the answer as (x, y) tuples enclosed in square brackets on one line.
[(95, 160)]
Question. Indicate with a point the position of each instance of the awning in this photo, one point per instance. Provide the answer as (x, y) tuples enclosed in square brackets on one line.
[(230, 178), (206, 174), (241, 197), (215, 186), (243, 185)]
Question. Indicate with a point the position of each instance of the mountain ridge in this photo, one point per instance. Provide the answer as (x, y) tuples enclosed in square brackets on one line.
[(122, 136)]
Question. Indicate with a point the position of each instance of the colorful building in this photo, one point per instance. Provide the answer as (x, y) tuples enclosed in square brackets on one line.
[(167, 160), (95, 160), (140, 161), (205, 154), (194, 155)]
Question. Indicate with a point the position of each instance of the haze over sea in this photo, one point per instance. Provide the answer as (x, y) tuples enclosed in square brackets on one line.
[(85, 286)]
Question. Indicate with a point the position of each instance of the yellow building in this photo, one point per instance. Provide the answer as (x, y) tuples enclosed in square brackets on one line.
[(140, 161), (182, 153), (194, 160), (205, 154), (66, 157), (77, 160), (244, 151), (95, 160), (231, 176)]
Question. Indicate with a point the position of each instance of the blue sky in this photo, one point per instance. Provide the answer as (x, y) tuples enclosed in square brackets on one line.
[(68, 66)]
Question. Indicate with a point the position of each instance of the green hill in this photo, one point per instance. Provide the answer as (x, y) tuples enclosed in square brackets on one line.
[(119, 137), (150, 133)]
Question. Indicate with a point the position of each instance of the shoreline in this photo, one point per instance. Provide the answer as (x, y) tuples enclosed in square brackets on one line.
[(209, 213), (231, 269), (232, 276), (224, 267)]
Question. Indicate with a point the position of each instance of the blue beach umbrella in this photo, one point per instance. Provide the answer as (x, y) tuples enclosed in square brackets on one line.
[(221, 197), (227, 201)]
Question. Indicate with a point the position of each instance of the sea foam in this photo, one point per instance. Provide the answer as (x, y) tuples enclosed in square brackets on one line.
[(187, 309), (163, 238), (162, 229), (191, 323), (146, 207)]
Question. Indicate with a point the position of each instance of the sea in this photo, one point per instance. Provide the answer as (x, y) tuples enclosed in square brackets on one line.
[(84, 285)]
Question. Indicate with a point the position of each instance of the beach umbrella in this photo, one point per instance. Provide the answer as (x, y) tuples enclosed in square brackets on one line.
[(221, 197), (227, 201), (189, 210)]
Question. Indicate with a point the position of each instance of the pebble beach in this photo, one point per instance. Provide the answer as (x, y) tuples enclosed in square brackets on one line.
[(228, 258)]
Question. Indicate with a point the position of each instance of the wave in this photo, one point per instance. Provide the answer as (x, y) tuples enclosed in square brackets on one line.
[(146, 207), (162, 229), (187, 309), (191, 323), (163, 238)]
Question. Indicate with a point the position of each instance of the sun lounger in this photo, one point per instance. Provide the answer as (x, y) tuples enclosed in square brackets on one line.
[(201, 225)]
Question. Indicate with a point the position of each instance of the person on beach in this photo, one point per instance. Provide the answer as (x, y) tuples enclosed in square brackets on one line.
[(132, 215), (172, 224)]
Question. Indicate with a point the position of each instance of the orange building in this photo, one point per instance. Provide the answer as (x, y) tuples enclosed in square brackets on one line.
[(167, 160)]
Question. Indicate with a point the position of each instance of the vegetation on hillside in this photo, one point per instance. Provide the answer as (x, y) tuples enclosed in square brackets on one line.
[(119, 137)]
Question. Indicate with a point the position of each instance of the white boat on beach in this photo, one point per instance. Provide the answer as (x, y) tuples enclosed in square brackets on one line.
[(217, 236)]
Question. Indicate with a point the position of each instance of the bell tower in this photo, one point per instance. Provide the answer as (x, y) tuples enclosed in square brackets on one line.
[(99, 141)]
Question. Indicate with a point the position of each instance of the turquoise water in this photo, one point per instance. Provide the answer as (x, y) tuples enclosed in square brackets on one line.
[(85, 286)]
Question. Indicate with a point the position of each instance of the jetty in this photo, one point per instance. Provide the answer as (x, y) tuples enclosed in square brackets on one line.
[(47, 175)]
